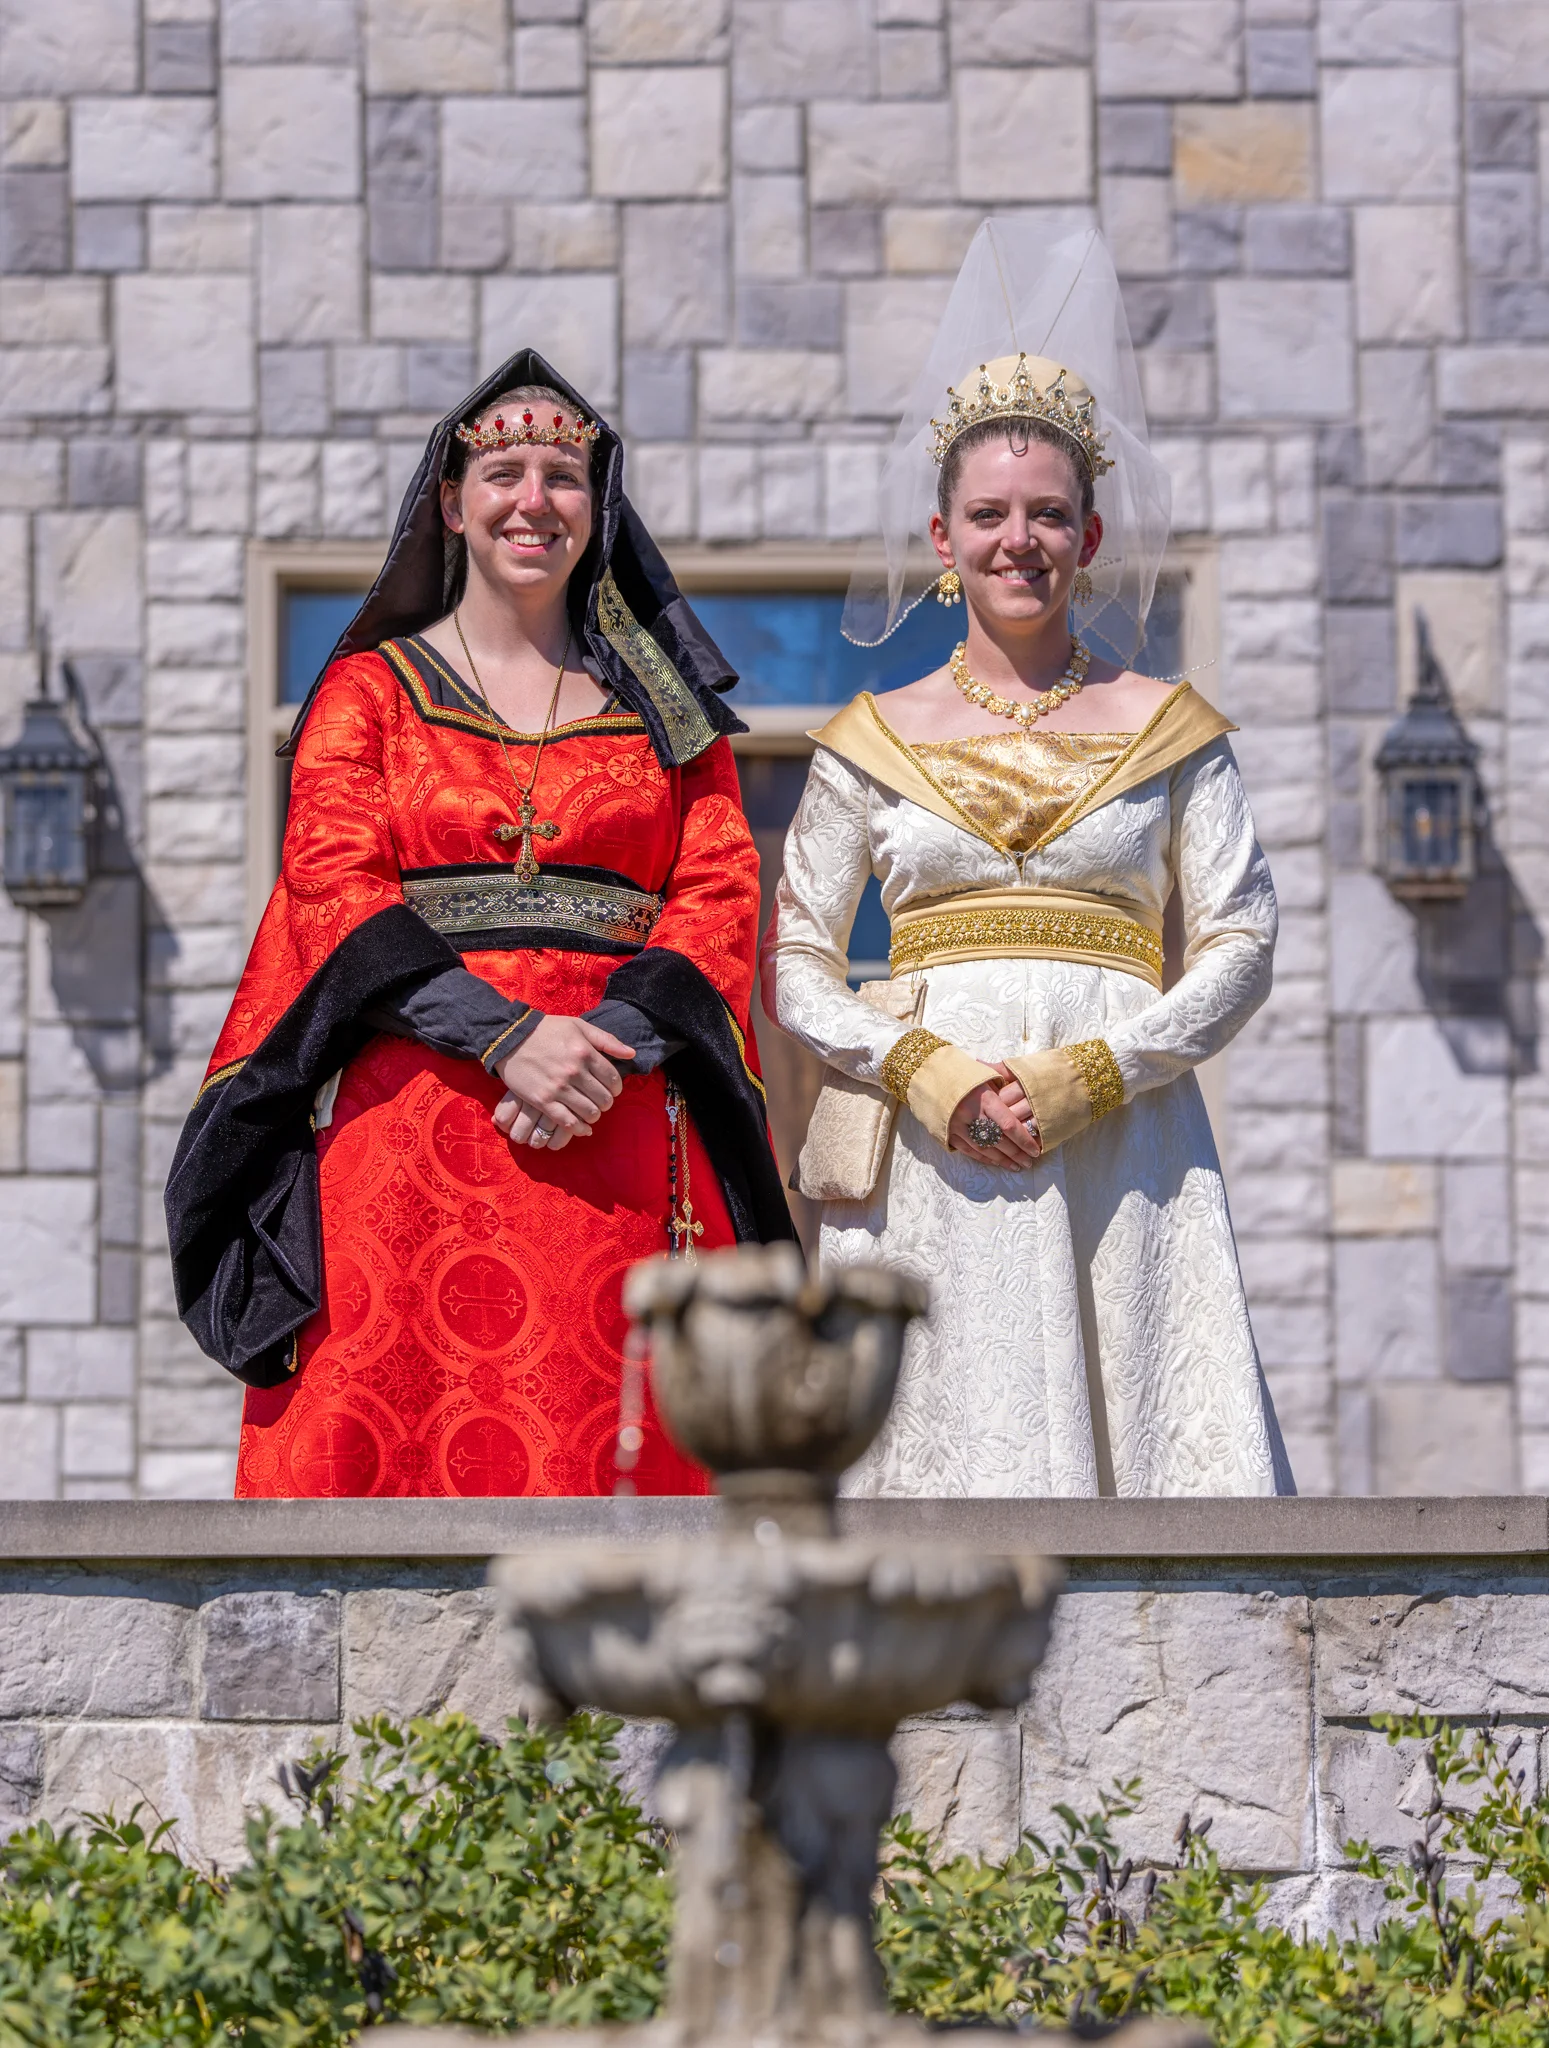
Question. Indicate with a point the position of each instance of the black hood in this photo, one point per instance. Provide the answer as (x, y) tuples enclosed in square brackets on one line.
[(636, 628)]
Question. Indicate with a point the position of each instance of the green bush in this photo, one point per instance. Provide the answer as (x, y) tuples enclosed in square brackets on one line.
[(503, 1884)]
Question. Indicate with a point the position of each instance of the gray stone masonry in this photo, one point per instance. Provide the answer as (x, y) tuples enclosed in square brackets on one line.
[(250, 248), (1230, 1654)]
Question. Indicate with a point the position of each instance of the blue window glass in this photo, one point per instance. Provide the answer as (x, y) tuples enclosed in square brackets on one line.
[(310, 623)]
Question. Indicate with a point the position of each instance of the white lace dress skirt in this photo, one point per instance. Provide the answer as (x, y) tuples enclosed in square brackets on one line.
[(1088, 1332)]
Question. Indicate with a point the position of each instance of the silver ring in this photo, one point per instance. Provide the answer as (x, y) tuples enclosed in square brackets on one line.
[(985, 1132), (541, 1135)]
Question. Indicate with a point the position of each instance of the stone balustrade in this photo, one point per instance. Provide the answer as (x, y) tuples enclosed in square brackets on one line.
[(1231, 1654)]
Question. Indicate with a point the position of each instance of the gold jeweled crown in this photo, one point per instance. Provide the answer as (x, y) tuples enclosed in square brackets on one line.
[(1034, 389), (504, 433)]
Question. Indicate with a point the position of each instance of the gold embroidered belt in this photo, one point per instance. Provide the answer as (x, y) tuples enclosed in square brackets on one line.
[(1027, 924), (489, 904)]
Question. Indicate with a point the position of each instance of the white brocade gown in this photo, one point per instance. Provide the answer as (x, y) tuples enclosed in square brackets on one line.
[(1088, 1331)]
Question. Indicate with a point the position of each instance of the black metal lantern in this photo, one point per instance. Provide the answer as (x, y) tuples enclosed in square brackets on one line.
[(49, 780), (1432, 802)]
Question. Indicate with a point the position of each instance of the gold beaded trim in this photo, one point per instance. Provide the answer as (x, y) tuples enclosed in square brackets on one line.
[(906, 1060), (1051, 931), (1099, 1069)]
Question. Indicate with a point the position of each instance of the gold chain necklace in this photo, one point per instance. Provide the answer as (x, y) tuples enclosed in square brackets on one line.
[(1025, 712), (530, 825)]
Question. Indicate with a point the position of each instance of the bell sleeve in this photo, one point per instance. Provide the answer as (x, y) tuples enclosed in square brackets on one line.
[(1229, 926), (336, 939), (693, 984), (805, 958)]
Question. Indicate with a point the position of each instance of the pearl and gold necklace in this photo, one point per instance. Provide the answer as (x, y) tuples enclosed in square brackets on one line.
[(1026, 712)]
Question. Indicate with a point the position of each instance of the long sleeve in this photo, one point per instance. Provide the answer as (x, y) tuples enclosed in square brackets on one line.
[(805, 962), (1229, 926), (459, 1013)]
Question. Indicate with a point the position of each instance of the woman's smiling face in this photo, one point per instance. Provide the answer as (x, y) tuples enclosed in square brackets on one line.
[(1015, 531), (525, 512)]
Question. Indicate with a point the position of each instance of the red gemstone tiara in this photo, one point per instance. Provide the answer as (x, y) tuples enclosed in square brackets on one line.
[(504, 433)]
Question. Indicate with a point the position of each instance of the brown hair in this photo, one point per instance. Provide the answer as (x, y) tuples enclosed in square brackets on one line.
[(1018, 434)]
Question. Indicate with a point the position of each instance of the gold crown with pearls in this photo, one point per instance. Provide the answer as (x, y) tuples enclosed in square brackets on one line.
[(1034, 389)]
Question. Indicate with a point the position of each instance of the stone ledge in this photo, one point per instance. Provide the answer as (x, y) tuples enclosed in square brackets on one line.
[(1088, 1530)]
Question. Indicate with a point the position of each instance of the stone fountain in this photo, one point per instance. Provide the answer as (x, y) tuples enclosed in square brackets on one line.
[(785, 1653)]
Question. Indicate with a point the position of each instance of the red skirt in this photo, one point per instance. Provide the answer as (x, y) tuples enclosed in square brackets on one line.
[(470, 1338)]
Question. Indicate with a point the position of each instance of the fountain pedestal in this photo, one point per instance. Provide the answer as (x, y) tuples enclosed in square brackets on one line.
[(785, 1654)]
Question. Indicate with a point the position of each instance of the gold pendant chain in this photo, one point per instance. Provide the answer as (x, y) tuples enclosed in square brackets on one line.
[(531, 826), (1026, 712)]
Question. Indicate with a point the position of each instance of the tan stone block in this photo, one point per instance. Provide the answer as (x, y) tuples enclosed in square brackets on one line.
[(202, 238), (1408, 275), (1178, 385), (656, 31), (928, 240), (33, 135), (1503, 379), (999, 110), (1506, 48), (1462, 610), (659, 132), (11, 1072), (574, 235), (1168, 49), (1204, 1695), (769, 383), (1137, 220), (1259, 151), (959, 1778), (769, 225), (1434, 1437), (419, 46), (1375, 1199), (39, 311), (864, 154)]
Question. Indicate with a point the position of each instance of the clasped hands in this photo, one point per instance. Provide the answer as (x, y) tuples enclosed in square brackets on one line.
[(558, 1083), (1004, 1103)]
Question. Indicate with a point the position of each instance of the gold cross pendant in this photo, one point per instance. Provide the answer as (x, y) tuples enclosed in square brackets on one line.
[(683, 1229), (530, 828)]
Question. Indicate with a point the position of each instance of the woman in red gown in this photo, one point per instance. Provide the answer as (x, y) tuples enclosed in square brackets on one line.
[(491, 1045)]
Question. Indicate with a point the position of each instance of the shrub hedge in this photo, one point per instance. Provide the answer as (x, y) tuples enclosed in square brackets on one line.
[(452, 1878)]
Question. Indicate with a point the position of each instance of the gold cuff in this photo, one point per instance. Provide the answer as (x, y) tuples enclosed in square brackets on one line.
[(901, 1065), (941, 1082), (1069, 1087)]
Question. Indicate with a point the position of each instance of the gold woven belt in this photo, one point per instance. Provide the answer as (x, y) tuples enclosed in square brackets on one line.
[(598, 913), (1027, 924)]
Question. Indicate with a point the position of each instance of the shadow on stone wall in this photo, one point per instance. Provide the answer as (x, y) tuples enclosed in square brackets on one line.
[(1478, 962)]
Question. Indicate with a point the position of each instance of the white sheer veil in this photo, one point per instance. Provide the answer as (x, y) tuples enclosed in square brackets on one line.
[(1026, 287)]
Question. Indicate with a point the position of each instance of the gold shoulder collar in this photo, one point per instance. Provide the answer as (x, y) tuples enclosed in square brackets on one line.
[(1181, 724)]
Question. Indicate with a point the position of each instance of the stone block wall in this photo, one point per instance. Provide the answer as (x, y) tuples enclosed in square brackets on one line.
[(249, 249), (1240, 1691)]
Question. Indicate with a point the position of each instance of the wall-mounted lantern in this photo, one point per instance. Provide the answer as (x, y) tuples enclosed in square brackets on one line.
[(49, 781), (1432, 802)]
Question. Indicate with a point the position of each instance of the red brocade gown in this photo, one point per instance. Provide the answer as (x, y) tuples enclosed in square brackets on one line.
[(469, 1340)]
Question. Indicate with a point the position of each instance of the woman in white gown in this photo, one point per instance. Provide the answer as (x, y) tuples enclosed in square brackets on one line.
[(1029, 810)]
